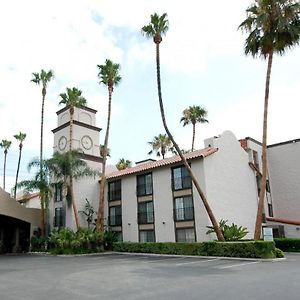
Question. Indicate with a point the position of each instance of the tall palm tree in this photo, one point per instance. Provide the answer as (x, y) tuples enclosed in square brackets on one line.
[(72, 99), (157, 27), (161, 144), (102, 151), (109, 76), (123, 164), (193, 115), (43, 78), (5, 144), (40, 183), (273, 27), (64, 167), (19, 137)]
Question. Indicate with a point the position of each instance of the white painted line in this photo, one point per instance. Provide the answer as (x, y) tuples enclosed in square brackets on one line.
[(164, 259), (197, 262), (239, 265)]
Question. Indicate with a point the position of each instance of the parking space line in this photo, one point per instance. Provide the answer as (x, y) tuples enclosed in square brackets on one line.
[(238, 265), (197, 261), (167, 259)]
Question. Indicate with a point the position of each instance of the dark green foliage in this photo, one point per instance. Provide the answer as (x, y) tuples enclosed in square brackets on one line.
[(288, 244), (39, 244), (230, 233), (279, 253), (66, 241), (110, 237), (252, 249)]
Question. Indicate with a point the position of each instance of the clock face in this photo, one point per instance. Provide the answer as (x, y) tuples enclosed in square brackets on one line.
[(62, 143), (86, 142)]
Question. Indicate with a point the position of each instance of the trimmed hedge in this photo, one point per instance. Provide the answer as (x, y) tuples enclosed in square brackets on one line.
[(288, 244), (252, 249)]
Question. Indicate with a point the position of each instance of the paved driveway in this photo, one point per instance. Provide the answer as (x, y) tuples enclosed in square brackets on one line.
[(121, 276)]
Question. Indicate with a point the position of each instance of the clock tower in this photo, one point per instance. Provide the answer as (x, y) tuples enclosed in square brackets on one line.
[(86, 140)]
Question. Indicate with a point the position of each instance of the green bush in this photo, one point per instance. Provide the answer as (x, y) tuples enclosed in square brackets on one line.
[(252, 249), (279, 253), (288, 244), (66, 241), (39, 244), (110, 237)]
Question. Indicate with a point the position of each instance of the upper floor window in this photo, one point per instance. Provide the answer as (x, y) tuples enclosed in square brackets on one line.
[(115, 216), (183, 208), (144, 185), (145, 213), (58, 192), (181, 178), (114, 190)]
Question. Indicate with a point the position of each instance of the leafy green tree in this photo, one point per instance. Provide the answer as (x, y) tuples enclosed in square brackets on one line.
[(273, 27), (40, 183), (43, 78), (64, 167), (5, 144), (123, 164), (193, 115), (161, 144), (109, 76), (89, 212), (19, 137), (157, 27)]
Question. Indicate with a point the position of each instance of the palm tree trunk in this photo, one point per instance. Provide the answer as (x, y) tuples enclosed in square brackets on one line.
[(194, 133), (18, 169), (42, 216), (4, 168), (194, 179), (100, 219), (260, 208), (74, 204), (42, 128)]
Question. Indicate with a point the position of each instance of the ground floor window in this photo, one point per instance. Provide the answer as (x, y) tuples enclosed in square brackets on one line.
[(119, 235), (115, 216), (58, 217), (185, 235), (147, 236)]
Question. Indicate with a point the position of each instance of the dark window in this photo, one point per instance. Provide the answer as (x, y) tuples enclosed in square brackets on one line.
[(58, 192), (147, 236), (145, 213), (181, 178), (183, 208), (58, 217), (144, 185), (270, 210), (115, 216), (114, 190), (255, 159), (268, 186), (185, 235)]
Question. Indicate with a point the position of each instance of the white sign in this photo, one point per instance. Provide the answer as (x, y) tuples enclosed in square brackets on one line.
[(268, 234)]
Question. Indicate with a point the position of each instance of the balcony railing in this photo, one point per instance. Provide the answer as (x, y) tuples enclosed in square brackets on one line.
[(184, 214), (146, 217), (115, 220), (181, 183)]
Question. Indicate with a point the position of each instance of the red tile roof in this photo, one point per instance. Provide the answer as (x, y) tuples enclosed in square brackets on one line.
[(161, 163)]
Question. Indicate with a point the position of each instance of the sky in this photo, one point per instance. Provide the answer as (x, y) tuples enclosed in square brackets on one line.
[(202, 63)]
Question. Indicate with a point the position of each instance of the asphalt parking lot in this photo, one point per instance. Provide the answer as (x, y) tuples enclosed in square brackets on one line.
[(122, 276)]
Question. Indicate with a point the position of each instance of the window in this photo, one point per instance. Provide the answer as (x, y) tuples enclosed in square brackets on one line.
[(147, 236), (58, 217), (255, 159), (144, 185), (58, 192), (183, 208), (145, 213), (115, 216), (114, 190), (270, 210), (118, 235), (185, 235), (181, 178)]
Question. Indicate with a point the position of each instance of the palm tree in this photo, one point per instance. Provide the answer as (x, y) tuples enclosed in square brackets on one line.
[(123, 164), (19, 137), (102, 151), (193, 115), (109, 76), (157, 27), (44, 77), (5, 144), (40, 183), (161, 144), (64, 167), (72, 99), (273, 27)]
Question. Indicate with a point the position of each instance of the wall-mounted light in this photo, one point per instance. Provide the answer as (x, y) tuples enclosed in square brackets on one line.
[(129, 224), (164, 222)]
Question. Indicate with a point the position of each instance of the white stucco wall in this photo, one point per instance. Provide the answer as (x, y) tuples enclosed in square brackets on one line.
[(230, 185), (284, 170)]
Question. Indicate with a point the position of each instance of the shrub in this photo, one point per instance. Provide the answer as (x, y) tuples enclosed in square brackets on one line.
[(110, 237), (288, 244), (39, 244), (252, 249), (278, 253)]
